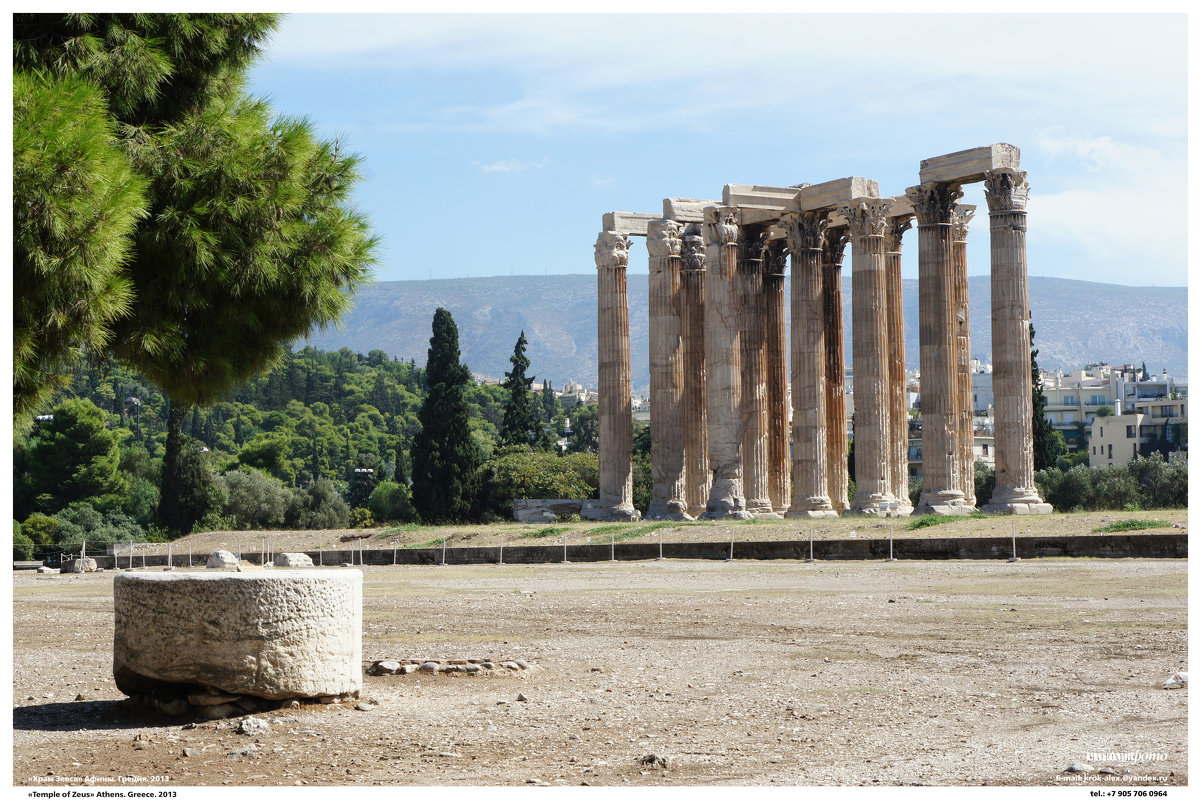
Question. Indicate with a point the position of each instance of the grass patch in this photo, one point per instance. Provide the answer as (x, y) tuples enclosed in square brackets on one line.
[(1131, 525), (612, 528), (923, 521), (404, 528), (435, 543), (543, 533)]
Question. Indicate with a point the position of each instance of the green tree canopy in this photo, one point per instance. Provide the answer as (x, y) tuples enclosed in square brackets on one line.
[(73, 457), (521, 424), (446, 460)]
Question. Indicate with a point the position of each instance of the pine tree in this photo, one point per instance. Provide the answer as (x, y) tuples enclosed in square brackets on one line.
[(1048, 443), (550, 402), (446, 460), (73, 457), (520, 424)]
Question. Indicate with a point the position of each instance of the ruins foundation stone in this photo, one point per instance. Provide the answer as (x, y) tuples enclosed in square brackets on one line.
[(274, 635)]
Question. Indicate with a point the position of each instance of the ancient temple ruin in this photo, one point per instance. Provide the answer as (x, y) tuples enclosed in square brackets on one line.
[(721, 426)]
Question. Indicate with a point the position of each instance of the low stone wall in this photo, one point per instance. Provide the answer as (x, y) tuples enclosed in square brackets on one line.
[(1105, 546)]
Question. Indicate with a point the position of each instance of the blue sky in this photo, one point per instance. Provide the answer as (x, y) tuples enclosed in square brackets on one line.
[(493, 144)]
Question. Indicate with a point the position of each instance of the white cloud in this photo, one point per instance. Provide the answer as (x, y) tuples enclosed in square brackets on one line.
[(512, 165), (602, 180), (1120, 204)]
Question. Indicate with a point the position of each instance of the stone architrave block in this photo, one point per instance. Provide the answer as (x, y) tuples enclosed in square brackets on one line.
[(686, 210), (900, 207), (968, 166), (833, 193), (755, 196), (221, 559), (293, 560), (627, 223), (280, 634)]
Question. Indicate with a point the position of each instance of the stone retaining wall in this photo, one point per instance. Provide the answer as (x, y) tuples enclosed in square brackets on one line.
[(1132, 546)]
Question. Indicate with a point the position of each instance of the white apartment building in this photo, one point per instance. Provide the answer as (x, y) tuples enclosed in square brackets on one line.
[(1119, 438)]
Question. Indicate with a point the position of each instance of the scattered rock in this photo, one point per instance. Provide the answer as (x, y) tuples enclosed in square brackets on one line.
[(655, 761), (428, 667), (253, 726), (84, 564), (574, 737), (1108, 771), (45, 569), (472, 668), (293, 704), (293, 560), (1177, 681), (80, 697), (385, 668), (347, 564), (215, 712), (221, 560), (249, 751), (487, 665), (521, 663), (175, 707), (522, 697), (189, 752), (1079, 767), (365, 707)]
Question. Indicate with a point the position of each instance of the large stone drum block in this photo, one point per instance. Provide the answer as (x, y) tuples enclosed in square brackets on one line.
[(279, 634)]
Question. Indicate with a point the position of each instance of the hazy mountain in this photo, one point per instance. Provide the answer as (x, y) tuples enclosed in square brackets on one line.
[(1075, 322)]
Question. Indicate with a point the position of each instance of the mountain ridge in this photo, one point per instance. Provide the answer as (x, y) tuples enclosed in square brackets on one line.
[(1075, 322)]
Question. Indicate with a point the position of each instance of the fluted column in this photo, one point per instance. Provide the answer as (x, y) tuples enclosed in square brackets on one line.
[(613, 378), (941, 488), (752, 340), (667, 372), (776, 362), (1010, 316), (899, 422), (870, 350), (724, 386), (961, 216), (692, 315), (834, 241), (805, 232)]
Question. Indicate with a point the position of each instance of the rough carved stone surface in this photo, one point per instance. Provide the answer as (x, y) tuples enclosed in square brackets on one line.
[(1006, 190), (292, 560), (221, 559), (934, 203), (612, 249), (280, 634), (84, 564), (663, 238)]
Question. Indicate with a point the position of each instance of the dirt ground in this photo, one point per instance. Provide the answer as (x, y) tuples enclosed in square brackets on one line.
[(518, 534), (753, 673)]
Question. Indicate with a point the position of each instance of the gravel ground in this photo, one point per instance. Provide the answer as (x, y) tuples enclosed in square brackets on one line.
[(747, 673)]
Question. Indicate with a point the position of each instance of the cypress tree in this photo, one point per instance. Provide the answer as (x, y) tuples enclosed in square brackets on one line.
[(1048, 442), (520, 424), (446, 460)]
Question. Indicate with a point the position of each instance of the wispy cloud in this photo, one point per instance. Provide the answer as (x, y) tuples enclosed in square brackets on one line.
[(602, 180), (512, 165)]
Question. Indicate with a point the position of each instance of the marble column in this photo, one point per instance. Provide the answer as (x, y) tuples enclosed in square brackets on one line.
[(899, 407), (870, 350), (692, 316), (805, 232), (776, 362), (961, 217), (724, 385), (834, 240), (934, 204), (667, 372), (1010, 315), (613, 378), (753, 241)]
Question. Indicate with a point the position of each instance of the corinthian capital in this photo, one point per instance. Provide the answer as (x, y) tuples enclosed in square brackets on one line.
[(933, 202), (612, 249), (663, 237), (893, 233), (776, 259), (1006, 190), (866, 217), (804, 229), (961, 216), (721, 226), (692, 253), (832, 245)]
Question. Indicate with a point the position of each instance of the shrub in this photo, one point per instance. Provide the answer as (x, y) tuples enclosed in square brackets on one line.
[(22, 545), (361, 518), (80, 522), (254, 499), (41, 529), (391, 502), (915, 491), (984, 481), (529, 474), (318, 506), (141, 501)]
